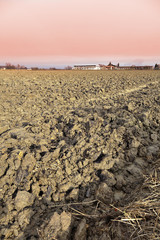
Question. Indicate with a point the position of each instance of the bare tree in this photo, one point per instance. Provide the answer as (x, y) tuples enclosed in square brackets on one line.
[(10, 66), (35, 68), (156, 66), (18, 66), (52, 68), (68, 68)]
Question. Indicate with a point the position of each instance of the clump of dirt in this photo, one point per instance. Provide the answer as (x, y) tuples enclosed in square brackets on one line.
[(75, 148)]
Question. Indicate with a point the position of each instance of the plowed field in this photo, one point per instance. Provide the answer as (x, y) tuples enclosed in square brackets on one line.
[(76, 149)]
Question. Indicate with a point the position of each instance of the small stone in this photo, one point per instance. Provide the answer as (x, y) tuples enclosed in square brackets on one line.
[(132, 153), (24, 218), (142, 152), (104, 193), (131, 106), (66, 187), (35, 189), (68, 170), (73, 194), (61, 196), (135, 143), (53, 227), (80, 233), (153, 149), (78, 179), (66, 220), (106, 163), (17, 163), (96, 156), (118, 195), (154, 137), (23, 199), (44, 149), (134, 170), (108, 177), (55, 197), (59, 226), (85, 162), (80, 164), (56, 153), (28, 162)]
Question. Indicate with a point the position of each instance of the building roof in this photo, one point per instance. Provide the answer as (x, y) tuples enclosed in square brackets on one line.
[(111, 65), (86, 65)]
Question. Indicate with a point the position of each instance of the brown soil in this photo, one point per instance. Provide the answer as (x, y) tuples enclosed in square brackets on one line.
[(76, 148)]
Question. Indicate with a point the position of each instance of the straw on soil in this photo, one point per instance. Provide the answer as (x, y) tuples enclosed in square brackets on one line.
[(142, 216)]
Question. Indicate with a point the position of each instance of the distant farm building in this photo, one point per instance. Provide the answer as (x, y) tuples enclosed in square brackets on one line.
[(87, 67), (111, 66), (142, 67), (124, 68), (135, 67)]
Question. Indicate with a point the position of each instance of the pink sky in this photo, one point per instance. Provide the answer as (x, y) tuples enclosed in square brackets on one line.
[(68, 31)]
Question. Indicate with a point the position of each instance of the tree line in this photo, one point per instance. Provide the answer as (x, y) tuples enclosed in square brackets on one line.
[(11, 66), (18, 66)]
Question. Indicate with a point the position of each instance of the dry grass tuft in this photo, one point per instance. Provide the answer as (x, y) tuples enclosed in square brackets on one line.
[(142, 216)]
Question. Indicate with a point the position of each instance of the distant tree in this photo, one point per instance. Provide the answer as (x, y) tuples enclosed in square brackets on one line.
[(18, 66), (23, 67), (68, 68), (10, 66), (156, 66), (35, 68), (52, 68)]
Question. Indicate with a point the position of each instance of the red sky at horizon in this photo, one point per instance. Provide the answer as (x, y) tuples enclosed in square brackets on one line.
[(57, 31)]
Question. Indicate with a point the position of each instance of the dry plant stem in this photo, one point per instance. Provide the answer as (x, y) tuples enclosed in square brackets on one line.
[(74, 203), (83, 214)]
